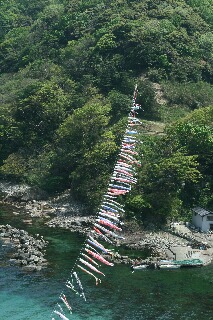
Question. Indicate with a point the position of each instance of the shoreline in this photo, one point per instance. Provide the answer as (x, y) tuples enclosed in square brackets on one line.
[(177, 242)]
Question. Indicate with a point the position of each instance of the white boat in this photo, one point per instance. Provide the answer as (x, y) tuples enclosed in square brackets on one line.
[(140, 267), (169, 266), (167, 262)]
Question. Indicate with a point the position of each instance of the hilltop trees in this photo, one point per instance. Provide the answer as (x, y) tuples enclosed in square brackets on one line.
[(68, 70)]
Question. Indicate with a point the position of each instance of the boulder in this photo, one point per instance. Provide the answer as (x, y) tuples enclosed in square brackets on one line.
[(28, 249), (25, 194)]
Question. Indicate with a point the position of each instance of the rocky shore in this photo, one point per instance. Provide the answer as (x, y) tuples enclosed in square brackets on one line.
[(35, 203), (176, 242), (29, 252), (80, 224)]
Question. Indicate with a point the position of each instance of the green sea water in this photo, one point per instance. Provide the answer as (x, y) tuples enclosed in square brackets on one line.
[(184, 294)]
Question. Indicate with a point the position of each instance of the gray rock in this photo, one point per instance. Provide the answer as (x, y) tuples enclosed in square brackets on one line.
[(29, 250), (24, 262)]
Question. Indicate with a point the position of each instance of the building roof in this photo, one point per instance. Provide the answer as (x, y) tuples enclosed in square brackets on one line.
[(202, 212)]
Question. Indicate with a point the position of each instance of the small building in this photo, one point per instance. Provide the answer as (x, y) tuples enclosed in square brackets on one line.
[(202, 219)]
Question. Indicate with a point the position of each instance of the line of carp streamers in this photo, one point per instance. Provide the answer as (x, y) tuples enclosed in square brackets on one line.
[(107, 225)]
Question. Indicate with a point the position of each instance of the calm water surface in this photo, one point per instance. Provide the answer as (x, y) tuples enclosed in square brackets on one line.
[(184, 294)]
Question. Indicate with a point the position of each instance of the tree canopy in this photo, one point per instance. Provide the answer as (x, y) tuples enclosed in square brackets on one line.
[(67, 74)]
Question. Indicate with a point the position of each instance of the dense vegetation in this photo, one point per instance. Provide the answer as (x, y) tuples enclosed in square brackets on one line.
[(68, 70)]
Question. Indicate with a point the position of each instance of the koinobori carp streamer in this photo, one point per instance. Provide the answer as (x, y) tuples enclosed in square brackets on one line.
[(109, 216)]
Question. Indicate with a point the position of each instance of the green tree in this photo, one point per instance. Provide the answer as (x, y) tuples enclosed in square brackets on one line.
[(40, 113), (14, 49), (86, 149)]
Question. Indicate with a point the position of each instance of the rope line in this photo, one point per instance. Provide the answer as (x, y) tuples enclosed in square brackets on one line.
[(107, 225)]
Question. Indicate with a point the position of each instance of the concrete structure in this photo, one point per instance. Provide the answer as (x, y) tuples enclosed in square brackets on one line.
[(202, 219)]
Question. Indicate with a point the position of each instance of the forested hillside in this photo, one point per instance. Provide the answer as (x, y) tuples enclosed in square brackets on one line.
[(68, 70)]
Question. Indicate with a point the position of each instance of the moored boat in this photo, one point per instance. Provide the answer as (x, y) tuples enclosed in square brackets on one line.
[(139, 267), (167, 262), (189, 263), (169, 266)]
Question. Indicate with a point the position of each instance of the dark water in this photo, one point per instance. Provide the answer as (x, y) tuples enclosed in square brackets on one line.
[(184, 294)]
